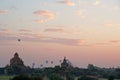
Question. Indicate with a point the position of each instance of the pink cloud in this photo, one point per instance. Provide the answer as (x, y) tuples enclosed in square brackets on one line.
[(67, 2), (39, 21), (65, 41), (49, 15), (24, 30), (39, 38), (5, 32), (115, 41), (99, 44), (54, 30), (105, 43), (3, 11), (28, 35), (44, 13)]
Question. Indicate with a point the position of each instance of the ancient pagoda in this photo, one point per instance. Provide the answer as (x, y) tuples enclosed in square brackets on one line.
[(16, 65), (16, 60), (66, 63)]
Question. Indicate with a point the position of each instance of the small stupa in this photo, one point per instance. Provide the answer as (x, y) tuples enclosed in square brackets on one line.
[(66, 63)]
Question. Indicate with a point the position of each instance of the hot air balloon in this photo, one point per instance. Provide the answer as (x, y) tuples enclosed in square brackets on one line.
[(19, 40)]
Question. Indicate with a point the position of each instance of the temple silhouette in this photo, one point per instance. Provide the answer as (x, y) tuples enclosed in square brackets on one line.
[(16, 61), (66, 63), (16, 66)]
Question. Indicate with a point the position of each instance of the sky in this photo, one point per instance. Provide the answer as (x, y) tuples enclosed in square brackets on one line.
[(85, 31)]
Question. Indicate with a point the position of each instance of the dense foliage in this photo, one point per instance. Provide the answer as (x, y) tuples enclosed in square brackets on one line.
[(87, 78), (60, 72), (26, 77)]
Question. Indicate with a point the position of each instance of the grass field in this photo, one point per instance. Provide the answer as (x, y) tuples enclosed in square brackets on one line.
[(4, 77)]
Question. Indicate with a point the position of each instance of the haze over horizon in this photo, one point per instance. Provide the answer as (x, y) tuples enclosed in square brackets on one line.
[(85, 31)]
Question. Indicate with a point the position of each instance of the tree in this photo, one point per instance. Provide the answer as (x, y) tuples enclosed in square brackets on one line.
[(9, 70), (87, 78), (55, 77), (22, 77), (36, 78), (91, 67), (111, 78)]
